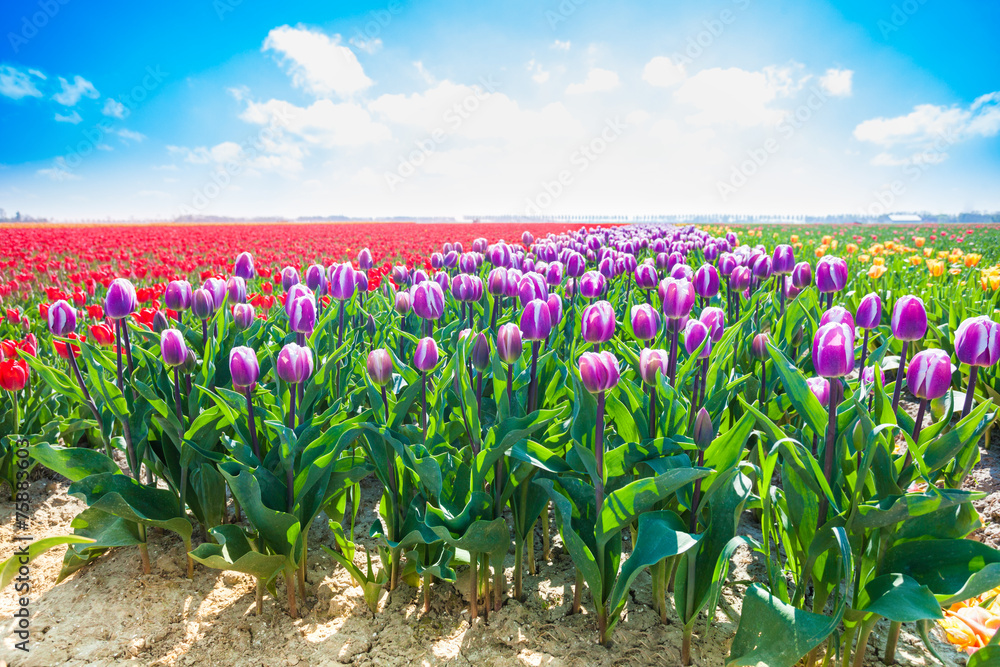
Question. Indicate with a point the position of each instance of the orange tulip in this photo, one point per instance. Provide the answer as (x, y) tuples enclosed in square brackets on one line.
[(935, 267), (915, 261), (820, 251), (972, 259), (928, 252), (879, 260), (826, 240), (795, 238), (851, 248), (919, 241), (864, 258), (876, 271)]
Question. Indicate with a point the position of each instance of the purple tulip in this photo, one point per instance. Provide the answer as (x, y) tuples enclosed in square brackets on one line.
[(727, 262), (62, 318), (379, 366), (645, 321), (217, 287), (365, 259), (400, 275), (294, 363), (739, 280), (802, 275), (120, 300), (243, 315), (178, 295), (762, 267), (783, 259), (839, 315), (599, 371), (909, 318), (696, 333), (682, 272), (868, 374), (316, 279), (425, 356), (820, 387), (361, 282), (677, 296), (831, 274), (645, 276), (715, 320), (509, 345), (342, 281), (462, 288), (758, 346), (576, 265), (443, 281), (833, 350), (243, 367), (480, 352), (428, 300), (555, 304), (977, 341), (527, 239), (869, 312), (554, 274), (591, 284), (244, 266), (496, 282), (597, 323), (289, 277), (294, 292), (302, 315), (531, 286), (202, 304), (651, 364), (929, 374), (173, 349), (536, 320), (706, 281), (236, 290), (403, 304)]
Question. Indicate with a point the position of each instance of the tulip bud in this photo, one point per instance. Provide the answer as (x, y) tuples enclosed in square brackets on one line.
[(294, 363), (365, 259), (820, 387), (599, 371), (217, 287), (316, 278), (190, 362), (243, 315), (868, 374), (783, 259), (202, 304), (379, 366), (173, 349), (243, 367), (497, 281), (236, 290), (509, 345), (289, 277), (727, 262), (762, 267), (425, 356), (120, 300), (62, 318), (869, 312), (645, 321), (651, 363), (597, 324), (400, 275), (929, 374), (302, 315), (536, 320), (244, 266), (554, 302), (909, 318), (831, 274), (704, 431), (758, 347), (342, 281), (706, 281), (160, 323), (696, 334), (739, 280), (715, 320), (839, 315), (428, 299), (591, 284), (677, 296), (833, 350), (645, 276), (370, 326), (802, 275), (481, 353), (178, 295), (403, 304), (977, 341)]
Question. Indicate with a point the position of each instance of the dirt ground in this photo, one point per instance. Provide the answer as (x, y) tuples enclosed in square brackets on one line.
[(111, 614)]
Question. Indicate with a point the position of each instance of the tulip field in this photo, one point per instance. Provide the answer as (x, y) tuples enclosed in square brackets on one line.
[(646, 401)]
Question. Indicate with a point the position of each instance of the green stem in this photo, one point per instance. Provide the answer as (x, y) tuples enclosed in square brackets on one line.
[(890, 644)]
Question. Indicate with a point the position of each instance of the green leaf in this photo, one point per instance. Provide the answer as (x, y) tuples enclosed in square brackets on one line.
[(126, 498), (10, 567), (954, 570), (774, 633), (899, 598), (794, 382), (235, 552), (74, 463), (622, 506)]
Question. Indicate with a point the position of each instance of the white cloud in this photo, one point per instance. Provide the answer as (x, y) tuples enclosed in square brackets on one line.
[(16, 84), (927, 157), (323, 123), (928, 123), (72, 92), (129, 135), (837, 82), (735, 96), (561, 46), (317, 62), (538, 73), (73, 118), (637, 117), (661, 71), (598, 81), (369, 46), (113, 108), (58, 174)]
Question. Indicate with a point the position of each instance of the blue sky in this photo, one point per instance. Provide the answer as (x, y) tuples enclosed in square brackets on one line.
[(243, 108)]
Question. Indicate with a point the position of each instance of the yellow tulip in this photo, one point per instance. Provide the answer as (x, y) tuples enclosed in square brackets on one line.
[(919, 241), (879, 261), (851, 248), (876, 271), (972, 259), (935, 267), (928, 252)]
